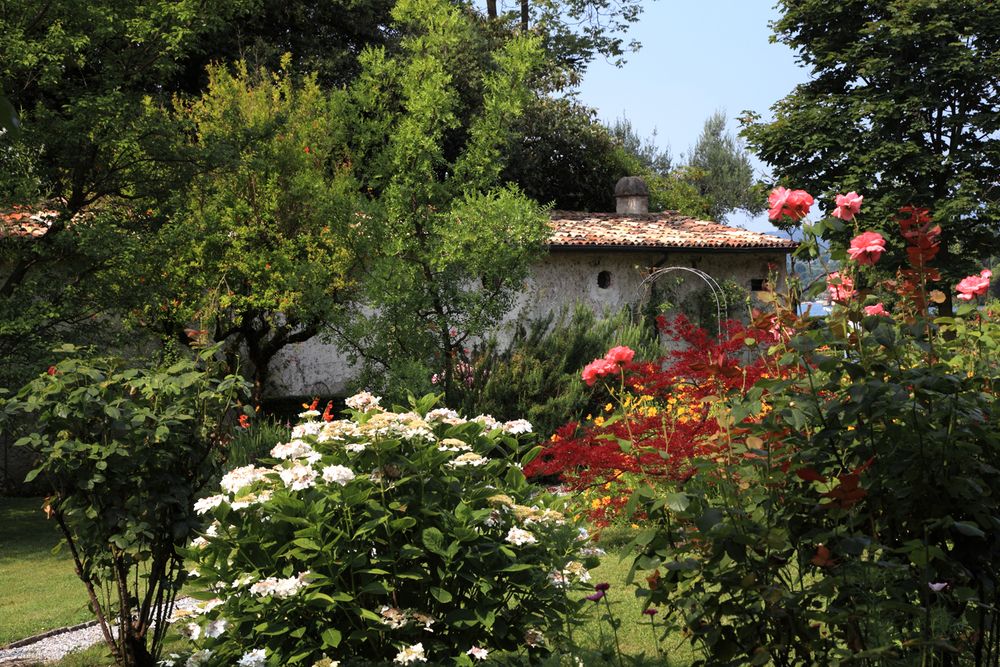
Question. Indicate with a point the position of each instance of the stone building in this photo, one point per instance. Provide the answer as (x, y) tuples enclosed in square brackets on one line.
[(597, 259)]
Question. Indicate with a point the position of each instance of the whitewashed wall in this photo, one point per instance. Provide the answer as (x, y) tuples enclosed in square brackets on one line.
[(564, 278)]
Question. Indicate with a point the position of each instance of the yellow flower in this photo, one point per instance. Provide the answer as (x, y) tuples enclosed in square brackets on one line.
[(609, 407), (599, 421)]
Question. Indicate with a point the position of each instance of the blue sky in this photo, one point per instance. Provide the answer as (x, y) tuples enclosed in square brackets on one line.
[(696, 57)]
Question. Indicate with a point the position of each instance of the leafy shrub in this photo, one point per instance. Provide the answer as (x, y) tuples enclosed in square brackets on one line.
[(253, 442), (536, 375), (390, 535), (125, 451)]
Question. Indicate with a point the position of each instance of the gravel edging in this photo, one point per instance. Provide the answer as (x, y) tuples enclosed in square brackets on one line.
[(56, 644), (27, 641)]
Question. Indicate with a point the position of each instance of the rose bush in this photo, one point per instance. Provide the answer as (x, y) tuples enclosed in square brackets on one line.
[(857, 519), (401, 536)]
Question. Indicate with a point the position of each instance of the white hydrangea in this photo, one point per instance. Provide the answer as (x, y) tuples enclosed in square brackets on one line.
[(519, 537), (294, 450), (338, 475), (238, 478), (209, 503), (306, 429), (280, 588), (454, 445), (411, 654), (444, 416), (339, 429), (363, 401), (356, 447), (254, 658), (198, 658), (478, 653), (468, 459), (488, 421), (308, 414), (517, 426), (251, 499), (214, 629), (298, 477)]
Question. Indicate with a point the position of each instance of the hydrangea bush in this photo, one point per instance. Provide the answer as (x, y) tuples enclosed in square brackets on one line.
[(391, 536)]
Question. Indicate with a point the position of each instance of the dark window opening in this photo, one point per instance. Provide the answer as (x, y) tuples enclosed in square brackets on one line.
[(758, 284), (604, 279)]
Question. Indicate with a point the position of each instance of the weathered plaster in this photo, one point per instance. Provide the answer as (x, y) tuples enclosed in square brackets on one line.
[(563, 279)]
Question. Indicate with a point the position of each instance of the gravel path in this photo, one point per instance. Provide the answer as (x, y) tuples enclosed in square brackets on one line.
[(54, 645)]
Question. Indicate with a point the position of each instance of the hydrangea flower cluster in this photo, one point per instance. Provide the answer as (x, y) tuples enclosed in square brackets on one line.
[(368, 517)]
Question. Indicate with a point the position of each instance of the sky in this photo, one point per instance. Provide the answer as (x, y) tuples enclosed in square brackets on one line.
[(697, 56)]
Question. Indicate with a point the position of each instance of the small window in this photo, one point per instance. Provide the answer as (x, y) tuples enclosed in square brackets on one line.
[(604, 279), (758, 284)]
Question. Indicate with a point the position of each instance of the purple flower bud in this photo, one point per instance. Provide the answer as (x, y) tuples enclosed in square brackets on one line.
[(650, 612), (602, 587), (595, 597)]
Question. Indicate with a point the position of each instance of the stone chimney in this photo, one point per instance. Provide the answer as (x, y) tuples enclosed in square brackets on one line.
[(631, 196)]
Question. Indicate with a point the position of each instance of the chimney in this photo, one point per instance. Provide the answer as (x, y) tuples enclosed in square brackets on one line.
[(631, 196)]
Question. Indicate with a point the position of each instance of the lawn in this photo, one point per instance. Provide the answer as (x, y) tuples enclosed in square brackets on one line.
[(38, 589)]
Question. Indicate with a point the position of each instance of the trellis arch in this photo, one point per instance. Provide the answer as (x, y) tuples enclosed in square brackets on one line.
[(721, 305)]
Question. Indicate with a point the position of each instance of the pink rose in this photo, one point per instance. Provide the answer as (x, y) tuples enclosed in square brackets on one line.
[(972, 286), (848, 206), (877, 309), (596, 369), (793, 203), (840, 287), (867, 248), (776, 202), (620, 355), (798, 204)]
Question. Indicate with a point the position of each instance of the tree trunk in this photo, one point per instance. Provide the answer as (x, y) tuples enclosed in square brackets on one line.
[(491, 9), (524, 15)]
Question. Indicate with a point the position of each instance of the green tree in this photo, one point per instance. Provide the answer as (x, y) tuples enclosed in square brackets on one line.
[(901, 107), (256, 251), (720, 168), (445, 246)]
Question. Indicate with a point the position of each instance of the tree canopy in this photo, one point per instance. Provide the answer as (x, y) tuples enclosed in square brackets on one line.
[(902, 106)]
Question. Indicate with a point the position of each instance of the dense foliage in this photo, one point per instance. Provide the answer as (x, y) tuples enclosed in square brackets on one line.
[(124, 452), (389, 536), (902, 103), (536, 373)]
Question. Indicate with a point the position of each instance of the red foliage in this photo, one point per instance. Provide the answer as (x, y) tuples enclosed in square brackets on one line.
[(662, 419)]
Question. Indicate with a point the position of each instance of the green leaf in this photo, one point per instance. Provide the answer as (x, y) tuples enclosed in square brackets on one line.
[(331, 638), (441, 595), (433, 540), (969, 528), (678, 502)]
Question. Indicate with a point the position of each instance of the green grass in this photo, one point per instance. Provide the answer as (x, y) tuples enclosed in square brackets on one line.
[(595, 639), (39, 591)]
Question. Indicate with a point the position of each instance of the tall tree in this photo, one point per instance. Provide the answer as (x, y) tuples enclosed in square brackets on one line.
[(719, 166), (255, 253), (446, 247), (903, 106)]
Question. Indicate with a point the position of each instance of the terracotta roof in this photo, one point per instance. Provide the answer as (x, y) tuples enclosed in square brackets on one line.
[(669, 229), (23, 222)]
